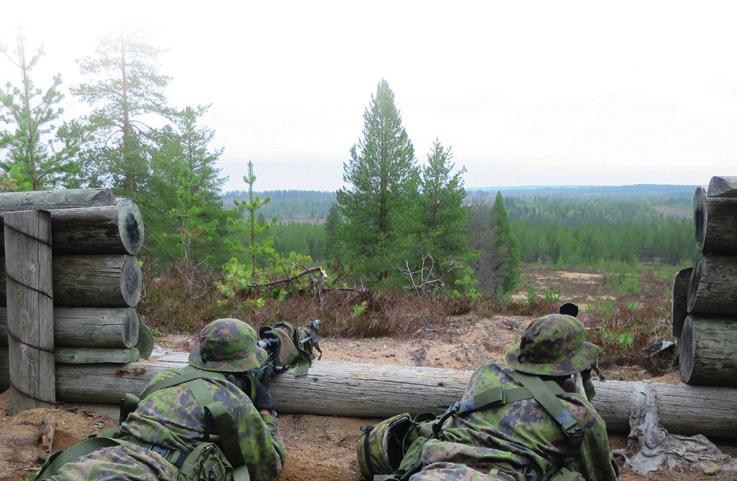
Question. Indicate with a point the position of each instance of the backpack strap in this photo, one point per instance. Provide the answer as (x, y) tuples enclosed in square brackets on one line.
[(82, 448), (224, 424), (553, 406), (501, 396)]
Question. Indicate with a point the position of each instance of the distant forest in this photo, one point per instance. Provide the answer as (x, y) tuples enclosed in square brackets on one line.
[(565, 225)]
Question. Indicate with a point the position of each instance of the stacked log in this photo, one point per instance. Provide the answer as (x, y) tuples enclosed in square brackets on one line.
[(704, 310), (96, 279)]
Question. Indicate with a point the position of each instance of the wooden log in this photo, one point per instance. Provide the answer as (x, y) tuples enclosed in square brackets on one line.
[(722, 186), (372, 390), (111, 327), (715, 223), (30, 310), (678, 309), (93, 281), (95, 355), (110, 229), (708, 355), (55, 199), (145, 344), (712, 288)]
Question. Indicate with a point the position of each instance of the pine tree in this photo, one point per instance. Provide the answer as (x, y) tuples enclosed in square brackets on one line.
[(504, 249), (333, 248), (39, 156), (184, 214), (124, 91), (381, 178), (443, 216)]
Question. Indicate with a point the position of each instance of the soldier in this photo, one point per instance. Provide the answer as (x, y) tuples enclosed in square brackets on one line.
[(520, 423), (197, 423)]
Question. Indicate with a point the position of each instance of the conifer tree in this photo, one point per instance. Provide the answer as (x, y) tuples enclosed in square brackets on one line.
[(125, 91), (443, 215), (504, 249), (39, 155), (381, 179)]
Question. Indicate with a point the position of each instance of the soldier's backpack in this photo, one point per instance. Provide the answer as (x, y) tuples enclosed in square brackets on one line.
[(217, 458)]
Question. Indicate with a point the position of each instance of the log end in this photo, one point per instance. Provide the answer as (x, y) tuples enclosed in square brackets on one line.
[(699, 216), (131, 279), (679, 299), (130, 225), (722, 186), (130, 334)]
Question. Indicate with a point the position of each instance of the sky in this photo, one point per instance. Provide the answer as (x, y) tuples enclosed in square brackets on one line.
[(525, 92)]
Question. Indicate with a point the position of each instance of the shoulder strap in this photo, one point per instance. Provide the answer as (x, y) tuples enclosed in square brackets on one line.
[(501, 396), (185, 375), (221, 419), (552, 405), (52, 465)]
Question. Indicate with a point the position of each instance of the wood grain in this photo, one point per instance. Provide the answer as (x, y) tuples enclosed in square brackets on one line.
[(708, 351)]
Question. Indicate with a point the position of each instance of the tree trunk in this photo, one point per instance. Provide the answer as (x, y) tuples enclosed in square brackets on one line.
[(708, 354), (722, 187), (112, 327), (112, 229), (93, 281), (96, 355), (678, 309), (715, 223), (31, 311), (55, 199), (712, 289), (372, 390)]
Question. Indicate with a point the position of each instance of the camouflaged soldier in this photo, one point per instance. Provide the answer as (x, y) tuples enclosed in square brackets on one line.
[(197, 423), (526, 423)]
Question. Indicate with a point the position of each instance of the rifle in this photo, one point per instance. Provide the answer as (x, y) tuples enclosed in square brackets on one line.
[(288, 346)]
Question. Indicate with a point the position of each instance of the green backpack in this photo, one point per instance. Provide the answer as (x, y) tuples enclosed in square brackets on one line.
[(218, 458)]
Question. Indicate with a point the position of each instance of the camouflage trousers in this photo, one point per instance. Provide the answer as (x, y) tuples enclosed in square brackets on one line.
[(119, 463), (456, 472)]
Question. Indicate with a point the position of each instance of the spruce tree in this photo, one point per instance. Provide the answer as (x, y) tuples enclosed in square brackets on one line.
[(504, 249), (184, 214), (125, 92), (39, 156), (443, 214), (377, 202)]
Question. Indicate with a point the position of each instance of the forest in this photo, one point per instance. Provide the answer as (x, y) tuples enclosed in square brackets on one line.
[(401, 220)]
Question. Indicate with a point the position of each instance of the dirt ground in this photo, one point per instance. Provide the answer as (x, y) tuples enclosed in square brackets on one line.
[(322, 448)]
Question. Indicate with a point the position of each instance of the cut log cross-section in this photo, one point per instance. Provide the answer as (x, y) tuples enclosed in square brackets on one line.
[(112, 229), (708, 355), (371, 390), (30, 297), (679, 300), (712, 289), (722, 186), (93, 281), (715, 223), (110, 327)]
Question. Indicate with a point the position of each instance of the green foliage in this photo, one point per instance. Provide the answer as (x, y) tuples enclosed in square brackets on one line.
[(125, 92), (185, 218), (309, 239), (40, 155), (360, 309), (376, 206)]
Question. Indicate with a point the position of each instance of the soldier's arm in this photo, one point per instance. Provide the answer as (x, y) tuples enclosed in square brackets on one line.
[(594, 461), (260, 444)]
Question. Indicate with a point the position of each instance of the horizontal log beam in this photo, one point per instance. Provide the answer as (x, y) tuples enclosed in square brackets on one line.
[(110, 229), (109, 327), (715, 223), (55, 199), (712, 289), (93, 281), (372, 390), (95, 355), (708, 356)]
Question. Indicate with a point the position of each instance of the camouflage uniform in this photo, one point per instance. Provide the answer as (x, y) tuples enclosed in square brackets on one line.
[(171, 418), (519, 440)]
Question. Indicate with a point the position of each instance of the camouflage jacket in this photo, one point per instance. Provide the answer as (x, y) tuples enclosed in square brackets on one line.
[(517, 438), (172, 419)]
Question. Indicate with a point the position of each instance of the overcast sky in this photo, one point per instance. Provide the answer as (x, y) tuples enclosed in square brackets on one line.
[(525, 92)]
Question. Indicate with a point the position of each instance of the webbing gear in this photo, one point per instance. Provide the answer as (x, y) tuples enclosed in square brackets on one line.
[(553, 406), (57, 460)]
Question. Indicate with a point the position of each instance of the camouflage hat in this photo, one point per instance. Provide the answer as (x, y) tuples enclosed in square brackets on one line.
[(553, 345), (227, 345)]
